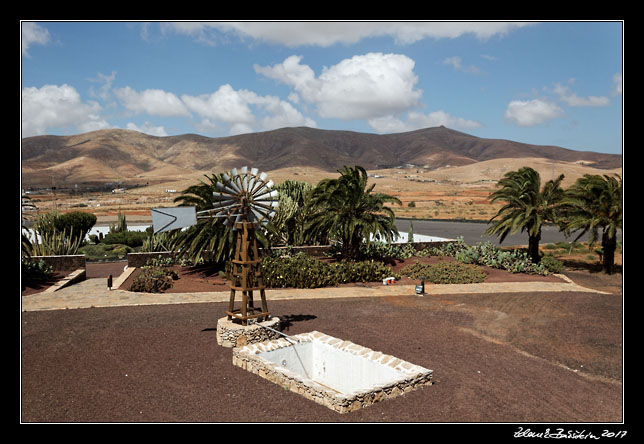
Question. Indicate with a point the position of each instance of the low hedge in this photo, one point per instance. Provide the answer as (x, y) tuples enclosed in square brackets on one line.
[(105, 252), (129, 238), (447, 272), (302, 271)]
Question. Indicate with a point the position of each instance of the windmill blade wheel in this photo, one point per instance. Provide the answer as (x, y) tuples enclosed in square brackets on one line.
[(245, 195)]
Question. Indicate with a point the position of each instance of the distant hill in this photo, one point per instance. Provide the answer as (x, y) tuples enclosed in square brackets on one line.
[(133, 157)]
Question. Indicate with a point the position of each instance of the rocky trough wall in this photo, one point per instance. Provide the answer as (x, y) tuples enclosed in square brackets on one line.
[(247, 357)]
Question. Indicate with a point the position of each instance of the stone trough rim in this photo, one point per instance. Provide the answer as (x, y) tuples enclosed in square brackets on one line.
[(412, 375)]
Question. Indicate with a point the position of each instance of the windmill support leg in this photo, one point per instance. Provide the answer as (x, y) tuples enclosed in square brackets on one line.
[(246, 277)]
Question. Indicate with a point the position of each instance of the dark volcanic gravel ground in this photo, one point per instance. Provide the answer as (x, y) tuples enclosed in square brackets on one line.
[(542, 357)]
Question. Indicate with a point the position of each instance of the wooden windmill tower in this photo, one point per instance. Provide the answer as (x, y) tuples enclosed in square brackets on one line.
[(246, 200)]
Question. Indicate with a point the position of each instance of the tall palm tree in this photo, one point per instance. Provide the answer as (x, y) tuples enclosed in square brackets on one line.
[(527, 206), (595, 202), (347, 210), (209, 239)]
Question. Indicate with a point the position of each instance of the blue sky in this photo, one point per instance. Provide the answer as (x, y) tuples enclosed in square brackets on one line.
[(545, 83)]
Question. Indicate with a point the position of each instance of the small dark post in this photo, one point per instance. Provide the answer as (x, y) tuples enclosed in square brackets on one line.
[(420, 289)]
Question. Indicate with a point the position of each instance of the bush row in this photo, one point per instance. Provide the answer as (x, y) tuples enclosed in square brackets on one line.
[(105, 252), (302, 271), (130, 238), (447, 272), (515, 261), (380, 250)]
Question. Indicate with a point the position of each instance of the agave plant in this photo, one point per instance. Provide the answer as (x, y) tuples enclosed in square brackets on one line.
[(157, 242), (55, 243), (52, 241)]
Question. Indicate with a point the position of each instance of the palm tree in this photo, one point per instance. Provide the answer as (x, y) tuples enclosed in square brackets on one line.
[(527, 206), (209, 238), (593, 202), (346, 210)]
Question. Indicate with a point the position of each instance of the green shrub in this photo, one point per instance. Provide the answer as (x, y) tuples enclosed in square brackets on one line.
[(105, 252), (302, 271), (447, 272), (129, 238), (77, 222), (67, 228), (515, 261), (34, 272), (552, 264), (382, 250), (379, 250), (150, 276)]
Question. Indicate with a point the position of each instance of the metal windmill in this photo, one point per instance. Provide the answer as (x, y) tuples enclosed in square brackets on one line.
[(246, 200)]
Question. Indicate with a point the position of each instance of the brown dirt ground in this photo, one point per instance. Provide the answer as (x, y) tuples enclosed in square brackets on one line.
[(497, 358)]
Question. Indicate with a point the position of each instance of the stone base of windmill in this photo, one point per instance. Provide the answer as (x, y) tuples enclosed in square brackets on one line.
[(233, 334)]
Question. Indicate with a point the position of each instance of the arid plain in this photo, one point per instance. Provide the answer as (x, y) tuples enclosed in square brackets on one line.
[(446, 193), (437, 173)]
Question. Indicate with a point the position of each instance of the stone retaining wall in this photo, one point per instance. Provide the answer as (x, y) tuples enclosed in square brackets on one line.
[(62, 263), (135, 260)]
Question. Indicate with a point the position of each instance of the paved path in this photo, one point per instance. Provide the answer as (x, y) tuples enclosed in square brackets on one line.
[(94, 293)]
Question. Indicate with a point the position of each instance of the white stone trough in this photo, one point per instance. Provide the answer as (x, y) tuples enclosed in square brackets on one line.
[(338, 374)]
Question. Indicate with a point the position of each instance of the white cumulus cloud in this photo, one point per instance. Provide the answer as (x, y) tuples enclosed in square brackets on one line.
[(617, 84), (53, 106), (572, 99), (244, 110), (225, 105), (532, 112), (154, 102), (32, 34), (324, 34), (364, 86), (277, 112), (415, 120), (148, 128), (457, 63)]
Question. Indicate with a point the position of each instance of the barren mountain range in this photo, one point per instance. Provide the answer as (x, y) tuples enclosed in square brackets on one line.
[(128, 156)]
